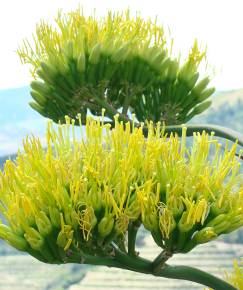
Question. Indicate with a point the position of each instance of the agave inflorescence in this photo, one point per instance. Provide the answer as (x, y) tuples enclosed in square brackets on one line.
[(83, 200), (82, 197), (117, 63)]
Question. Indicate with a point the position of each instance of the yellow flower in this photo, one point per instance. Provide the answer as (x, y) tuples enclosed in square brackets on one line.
[(81, 193), (115, 62), (236, 277)]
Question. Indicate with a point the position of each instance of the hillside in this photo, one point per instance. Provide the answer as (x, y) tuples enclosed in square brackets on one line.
[(226, 110)]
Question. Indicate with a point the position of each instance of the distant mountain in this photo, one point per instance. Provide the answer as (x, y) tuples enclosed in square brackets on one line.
[(226, 110)]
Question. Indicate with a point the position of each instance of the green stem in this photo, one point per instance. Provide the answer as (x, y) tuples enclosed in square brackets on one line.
[(110, 110), (127, 100), (137, 264), (132, 234), (132, 263), (194, 275), (159, 262), (83, 258)]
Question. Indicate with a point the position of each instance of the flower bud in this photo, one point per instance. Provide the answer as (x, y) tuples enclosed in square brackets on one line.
[(55, 217), (121, 224), (217, 220), (95, 54), (121, 54), (206, 94), (133, 211), (183, 226), (13, 239), (150, 221), (201, 86), (81, 62), (105, 226), (222, 227), (65, 237), (205, 235), (34, 238), (43, 224)]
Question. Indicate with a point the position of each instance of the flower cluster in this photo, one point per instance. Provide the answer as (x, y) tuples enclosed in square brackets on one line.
[(79, 195), (236, 278), (118, 62)]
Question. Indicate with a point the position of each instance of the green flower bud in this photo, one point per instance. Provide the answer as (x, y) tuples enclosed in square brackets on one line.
[(222, 227), (205, 235), (81, 62), (38, 108), (34, 238), (235, 223), (55, 217), (105, 226), (121, 53), (219, 224), (133, 211), (183, 226), (172, 70), (69, 49), (216, 210), (43, 224), (65, 238), (206, 94), (95, 54), (121, 224), (150, 221), (201, 86), (217, 220), (191, 83), (95, 197), (202, 107), (40, 99), (13, 239)]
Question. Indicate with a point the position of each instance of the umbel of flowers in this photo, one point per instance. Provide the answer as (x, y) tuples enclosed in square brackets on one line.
[(82, 199), (117, 63)]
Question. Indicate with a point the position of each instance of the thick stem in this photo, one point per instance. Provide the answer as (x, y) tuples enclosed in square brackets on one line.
[(194, 275), (132, 234), (83, 258), (127, 99), (132, 263), (140, 265), (159, 262)]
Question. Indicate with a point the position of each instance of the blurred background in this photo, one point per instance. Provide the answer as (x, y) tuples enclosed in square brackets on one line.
[(217, 25)]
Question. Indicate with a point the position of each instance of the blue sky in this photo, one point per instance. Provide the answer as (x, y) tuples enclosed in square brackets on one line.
[(17, 120)]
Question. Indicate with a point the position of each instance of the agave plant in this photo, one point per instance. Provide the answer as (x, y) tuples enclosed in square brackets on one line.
[(118, 63), (83, 200)]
